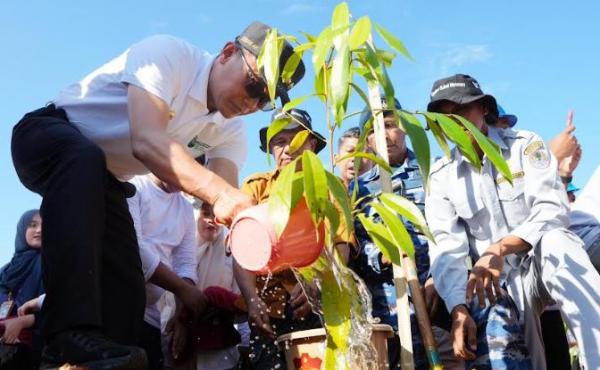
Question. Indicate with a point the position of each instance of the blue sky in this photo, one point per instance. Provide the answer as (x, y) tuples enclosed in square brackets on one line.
[(539, 58)]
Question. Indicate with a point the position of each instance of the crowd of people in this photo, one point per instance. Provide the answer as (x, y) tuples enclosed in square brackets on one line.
[(138, 167)]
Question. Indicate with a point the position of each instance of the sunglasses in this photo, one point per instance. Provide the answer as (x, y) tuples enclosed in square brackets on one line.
[(255, 86)]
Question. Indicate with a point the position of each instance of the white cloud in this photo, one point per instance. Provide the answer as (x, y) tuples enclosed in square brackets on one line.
[(461, 55), (300, 8)]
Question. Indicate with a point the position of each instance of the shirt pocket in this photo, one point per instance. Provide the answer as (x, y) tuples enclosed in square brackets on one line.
[(471, 212), (512, 199)]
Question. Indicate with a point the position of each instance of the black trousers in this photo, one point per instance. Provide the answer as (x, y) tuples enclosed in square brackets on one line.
[(151, 343), (90, 259)]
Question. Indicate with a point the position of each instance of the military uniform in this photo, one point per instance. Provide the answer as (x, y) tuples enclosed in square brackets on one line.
[(367, 261), (468, 210)]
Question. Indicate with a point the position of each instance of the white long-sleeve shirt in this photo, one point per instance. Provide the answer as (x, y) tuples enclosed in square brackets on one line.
[(166, 232), (467, 210)]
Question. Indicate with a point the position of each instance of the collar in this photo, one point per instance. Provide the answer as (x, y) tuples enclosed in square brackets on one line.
[(199, 90), (494, 134)]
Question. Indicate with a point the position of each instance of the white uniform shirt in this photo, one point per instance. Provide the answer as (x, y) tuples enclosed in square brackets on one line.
[(585, 212), (177, 73), (166, 232), (468, 211)]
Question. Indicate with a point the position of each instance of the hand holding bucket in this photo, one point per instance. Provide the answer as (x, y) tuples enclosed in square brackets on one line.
[(255, 246)]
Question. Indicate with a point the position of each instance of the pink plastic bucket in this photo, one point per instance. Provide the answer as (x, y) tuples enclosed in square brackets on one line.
[(255, 246)]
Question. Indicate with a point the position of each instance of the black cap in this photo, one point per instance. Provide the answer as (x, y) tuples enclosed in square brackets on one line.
[(366, 114), (299, 115), (460, 89), (252, 40)]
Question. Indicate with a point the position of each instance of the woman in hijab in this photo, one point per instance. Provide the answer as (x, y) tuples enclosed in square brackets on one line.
[(21, 278), (20, 282)]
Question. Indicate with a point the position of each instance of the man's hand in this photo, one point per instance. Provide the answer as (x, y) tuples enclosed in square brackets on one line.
[(299, 302), (486, 275), (179, 332), (228, 203), (193, 300), (432, 299), (565, 143), (28, 307), (464, 331), (567, 166), (258, 316), (13, 327)]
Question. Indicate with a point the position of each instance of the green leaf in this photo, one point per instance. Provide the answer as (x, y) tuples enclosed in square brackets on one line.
[(371, 57), (303, 47), (271, 61), (393, 42), (280, 201), (361, 93), (275, 127), (315, 185), (322, 48), (295, 102), (337, 189), (382, 239), (298, 140), (333, 215), (396, 228), (364, 72), (341, 16), (408, 210), (386, 56), (457, 134), (385, 81), (436, 130), (320, 88), (290, 66), (309, 37), (491, 149), (360, 32), (340, 78), (419, 142), (370, 156)]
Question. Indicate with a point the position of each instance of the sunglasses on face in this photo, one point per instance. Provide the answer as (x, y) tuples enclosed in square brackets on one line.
[(255, 87)]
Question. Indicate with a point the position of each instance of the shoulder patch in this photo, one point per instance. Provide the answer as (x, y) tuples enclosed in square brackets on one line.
[(539, 158), (533, 147)]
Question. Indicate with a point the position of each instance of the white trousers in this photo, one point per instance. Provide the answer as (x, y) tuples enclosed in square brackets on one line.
[(559, 270)]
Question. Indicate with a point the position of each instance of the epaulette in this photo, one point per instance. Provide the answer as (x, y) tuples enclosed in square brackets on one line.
[(261, 176), (439, 164)]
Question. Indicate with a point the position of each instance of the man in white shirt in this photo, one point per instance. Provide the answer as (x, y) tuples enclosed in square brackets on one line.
[(515, 233), (166, 233), (151, 109)]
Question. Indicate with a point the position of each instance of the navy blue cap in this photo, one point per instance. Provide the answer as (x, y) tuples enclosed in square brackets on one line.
[(511, 118)]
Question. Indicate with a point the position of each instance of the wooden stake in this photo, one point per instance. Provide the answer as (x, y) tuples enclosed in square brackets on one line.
[(402, 306)]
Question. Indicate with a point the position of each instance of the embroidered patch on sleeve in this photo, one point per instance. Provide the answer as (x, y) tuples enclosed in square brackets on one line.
[(533, 147), (539, 158)]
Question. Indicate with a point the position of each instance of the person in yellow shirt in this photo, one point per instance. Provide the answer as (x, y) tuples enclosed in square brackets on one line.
[(278, 305)]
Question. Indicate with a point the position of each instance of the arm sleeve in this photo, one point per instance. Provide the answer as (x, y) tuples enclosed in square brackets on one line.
[(154, 64), (185, 259), (544, 193), (448, 256), (150, 259)]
